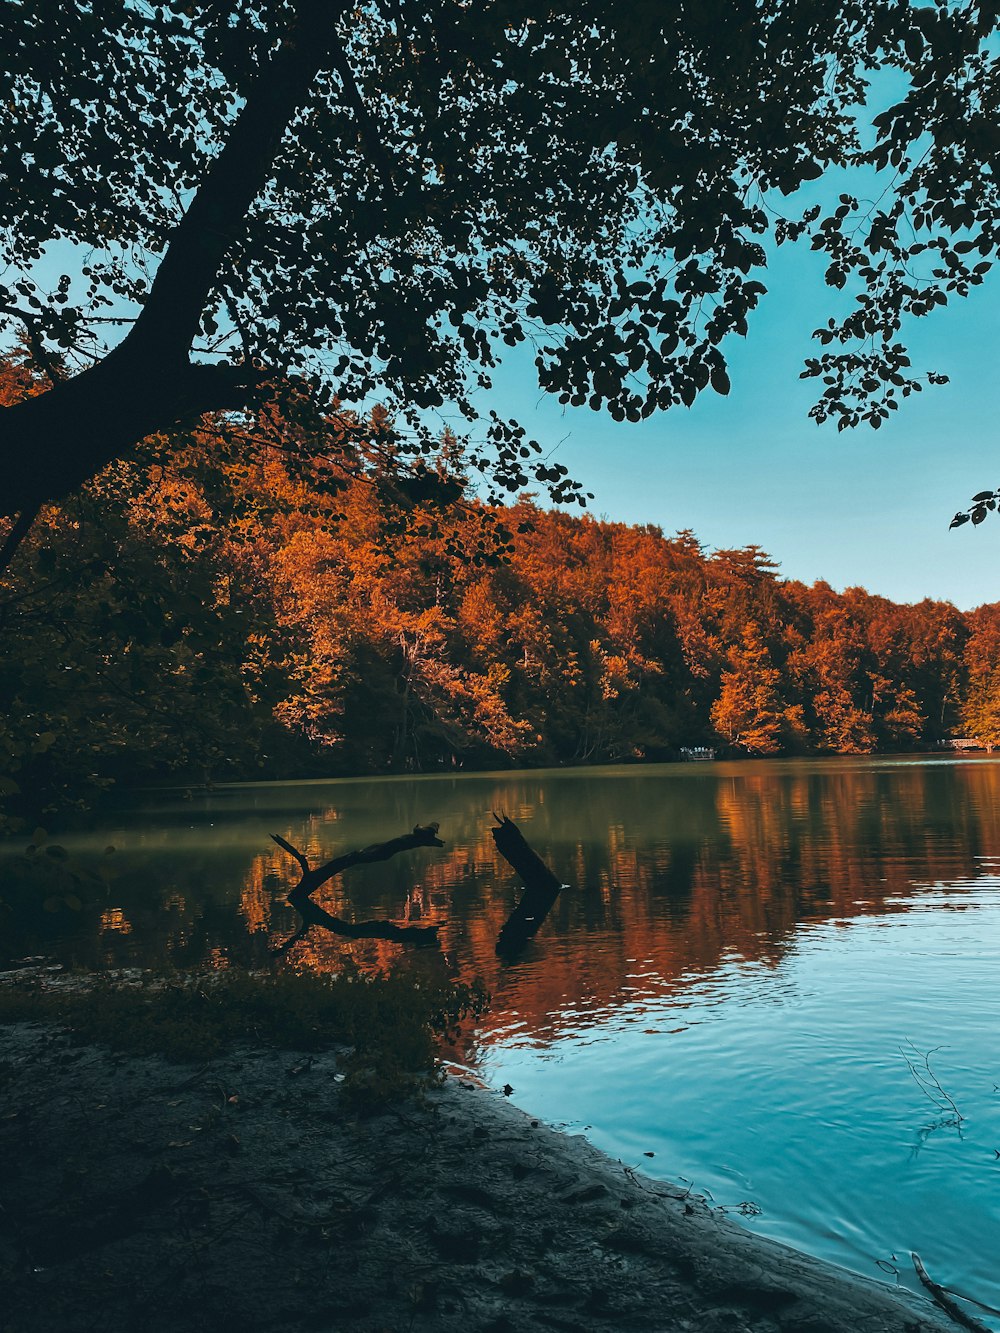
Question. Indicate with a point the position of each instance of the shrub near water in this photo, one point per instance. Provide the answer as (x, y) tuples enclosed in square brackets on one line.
[(392, 1024)]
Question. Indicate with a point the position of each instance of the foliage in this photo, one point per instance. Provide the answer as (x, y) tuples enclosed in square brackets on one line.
[(982, 503), (46, 878), (750, 712), (313, 617), (220, 608), (392, 1024), (380, 200)]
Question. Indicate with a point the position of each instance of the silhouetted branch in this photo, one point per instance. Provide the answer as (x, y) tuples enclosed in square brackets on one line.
[(541, 887), (19, 530), (423, 835)]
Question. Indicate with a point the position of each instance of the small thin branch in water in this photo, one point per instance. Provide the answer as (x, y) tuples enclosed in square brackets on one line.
[(919, 1065), (943, 1297)]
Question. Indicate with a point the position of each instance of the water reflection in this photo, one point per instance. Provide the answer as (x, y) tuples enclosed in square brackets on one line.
[(674, 871)]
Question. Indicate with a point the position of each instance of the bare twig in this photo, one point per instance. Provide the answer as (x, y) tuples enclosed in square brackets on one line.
[(919, 1065)]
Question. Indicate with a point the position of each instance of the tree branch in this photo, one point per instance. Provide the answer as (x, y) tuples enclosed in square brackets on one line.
[(55, 441), (367, 129), (314, 915), (45, 360), (19, 530), (216, 215), (541, 887)]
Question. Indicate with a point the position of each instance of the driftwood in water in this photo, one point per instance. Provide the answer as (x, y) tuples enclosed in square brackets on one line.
[(943, 1297), (541, 887), (312, 879)]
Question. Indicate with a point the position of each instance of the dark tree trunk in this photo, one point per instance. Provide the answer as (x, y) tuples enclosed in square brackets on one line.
[(541, 887), (52, 443)]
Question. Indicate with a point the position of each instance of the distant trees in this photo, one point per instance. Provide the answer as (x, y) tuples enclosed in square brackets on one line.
[(981, 705), (221, 606), (750, 712)]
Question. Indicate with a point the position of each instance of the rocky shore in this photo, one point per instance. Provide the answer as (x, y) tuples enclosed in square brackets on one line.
[(242, 1194)]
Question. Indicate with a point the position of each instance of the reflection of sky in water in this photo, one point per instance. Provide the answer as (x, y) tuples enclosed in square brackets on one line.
[(785, 1087), (726, 983)]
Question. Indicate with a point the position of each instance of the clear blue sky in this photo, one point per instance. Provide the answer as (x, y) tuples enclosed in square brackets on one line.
[(860, 507)]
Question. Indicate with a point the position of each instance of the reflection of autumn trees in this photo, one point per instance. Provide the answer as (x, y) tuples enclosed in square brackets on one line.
[(667, 877)]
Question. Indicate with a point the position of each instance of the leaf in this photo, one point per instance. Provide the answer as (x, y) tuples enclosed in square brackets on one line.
[(983, 495), (720, 381), (958, 520), (978, 515)]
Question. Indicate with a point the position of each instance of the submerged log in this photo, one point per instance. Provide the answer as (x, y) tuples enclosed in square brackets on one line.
[(541, 887), (423, 835)]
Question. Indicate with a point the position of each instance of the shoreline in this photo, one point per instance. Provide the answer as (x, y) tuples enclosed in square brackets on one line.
[(138, 1193)]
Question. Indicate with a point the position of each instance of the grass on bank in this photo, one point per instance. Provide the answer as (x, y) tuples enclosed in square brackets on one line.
[(391, 1025)]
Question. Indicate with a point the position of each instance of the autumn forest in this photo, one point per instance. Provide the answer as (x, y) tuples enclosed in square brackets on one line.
[(302, 601)]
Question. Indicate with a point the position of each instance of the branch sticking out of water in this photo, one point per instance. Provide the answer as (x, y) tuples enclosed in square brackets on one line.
[(919, 1064), (943, 1295), (423, 835)]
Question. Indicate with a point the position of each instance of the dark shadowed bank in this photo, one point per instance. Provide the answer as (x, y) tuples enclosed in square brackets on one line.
[(244, 1194)]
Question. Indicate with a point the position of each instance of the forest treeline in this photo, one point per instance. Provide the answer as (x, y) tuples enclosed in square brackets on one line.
[(287, 604)]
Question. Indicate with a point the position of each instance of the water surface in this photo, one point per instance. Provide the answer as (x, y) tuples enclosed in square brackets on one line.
[(727, 991)]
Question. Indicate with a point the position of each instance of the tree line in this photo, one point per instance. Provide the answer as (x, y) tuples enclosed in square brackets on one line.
[(270, 603)]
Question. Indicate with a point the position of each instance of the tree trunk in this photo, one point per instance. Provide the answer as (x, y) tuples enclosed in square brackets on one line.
[(541, 887), (51, 443)]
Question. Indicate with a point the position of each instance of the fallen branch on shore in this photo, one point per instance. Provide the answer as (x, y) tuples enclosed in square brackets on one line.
[(946, 1302), (423, 835)]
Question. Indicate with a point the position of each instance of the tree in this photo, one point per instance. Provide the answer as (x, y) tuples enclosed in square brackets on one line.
[(375, 199), (750, 712)]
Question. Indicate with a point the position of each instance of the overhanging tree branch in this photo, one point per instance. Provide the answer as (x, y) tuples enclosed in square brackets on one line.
[(217, 214), (147, 382)]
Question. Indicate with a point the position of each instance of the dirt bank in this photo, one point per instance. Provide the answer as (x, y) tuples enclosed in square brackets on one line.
[(142, 1195)]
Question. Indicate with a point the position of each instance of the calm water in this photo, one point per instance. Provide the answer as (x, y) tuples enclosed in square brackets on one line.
[(723, 994)]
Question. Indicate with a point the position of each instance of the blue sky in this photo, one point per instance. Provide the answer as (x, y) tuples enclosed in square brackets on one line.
[(860, 507)]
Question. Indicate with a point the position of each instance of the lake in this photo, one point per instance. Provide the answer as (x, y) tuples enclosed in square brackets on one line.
[(750, 983)]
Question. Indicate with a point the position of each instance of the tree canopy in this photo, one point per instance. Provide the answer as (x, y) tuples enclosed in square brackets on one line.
[(376, 200)]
